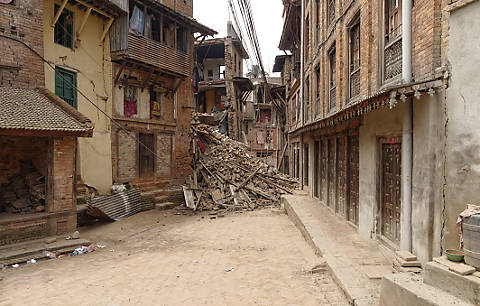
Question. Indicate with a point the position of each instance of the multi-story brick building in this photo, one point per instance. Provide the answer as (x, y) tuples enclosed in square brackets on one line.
[(377, 132), (38, 133), (262, 121), (222, 89), (152, 49)]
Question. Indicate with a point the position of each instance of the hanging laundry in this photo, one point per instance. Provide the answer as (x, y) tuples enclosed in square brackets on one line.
[(129, 108), (137, 21)]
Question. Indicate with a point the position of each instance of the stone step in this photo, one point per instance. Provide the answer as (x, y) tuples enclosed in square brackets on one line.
[(20, 253), (466, 288), (406, 289)]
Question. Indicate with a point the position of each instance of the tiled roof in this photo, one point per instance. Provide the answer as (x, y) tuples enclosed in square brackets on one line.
[(40, 110)]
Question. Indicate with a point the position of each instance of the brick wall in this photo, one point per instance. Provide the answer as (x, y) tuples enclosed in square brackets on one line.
[(428, 30), (164, 158), (182, 6), (54, 157), (127, 156), (17, 149), (18, 65), (63, 174)]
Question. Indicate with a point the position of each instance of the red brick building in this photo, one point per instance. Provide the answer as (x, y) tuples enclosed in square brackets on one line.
[(152, 51), (375, 94)]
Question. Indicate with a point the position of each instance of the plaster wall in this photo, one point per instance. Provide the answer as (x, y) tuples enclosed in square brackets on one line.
[(91, 62), (382, 123), (462, 109), (214, 65), (427, 175)]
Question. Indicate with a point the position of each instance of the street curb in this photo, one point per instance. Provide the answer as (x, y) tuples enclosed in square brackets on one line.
[(350, 293)]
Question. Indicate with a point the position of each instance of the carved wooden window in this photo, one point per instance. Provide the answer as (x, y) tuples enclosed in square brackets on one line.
[(393, 42), (331, 12), (317, 91), (307, 99), (317, 21), (355, 60), (294, 108), (307, 37), (182, 39), (393, 20), (332, 79)]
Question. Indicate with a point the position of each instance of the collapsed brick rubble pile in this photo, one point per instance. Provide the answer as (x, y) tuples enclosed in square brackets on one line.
[(226, 176), (24, 193)]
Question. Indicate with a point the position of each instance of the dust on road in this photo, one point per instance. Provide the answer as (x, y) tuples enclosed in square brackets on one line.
[(159, 258)]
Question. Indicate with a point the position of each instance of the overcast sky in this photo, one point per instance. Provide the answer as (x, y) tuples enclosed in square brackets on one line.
[(268, 22)]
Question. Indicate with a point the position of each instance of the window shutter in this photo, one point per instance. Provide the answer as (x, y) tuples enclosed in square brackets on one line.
[(58, 83)]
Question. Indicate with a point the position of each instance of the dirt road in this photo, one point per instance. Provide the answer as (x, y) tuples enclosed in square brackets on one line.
[(159, 258)]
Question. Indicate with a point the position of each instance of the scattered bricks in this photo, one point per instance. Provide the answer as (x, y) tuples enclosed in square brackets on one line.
[(227, 177), (406, 256)]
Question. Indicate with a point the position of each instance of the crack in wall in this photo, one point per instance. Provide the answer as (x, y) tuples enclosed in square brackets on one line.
[(444, 186)]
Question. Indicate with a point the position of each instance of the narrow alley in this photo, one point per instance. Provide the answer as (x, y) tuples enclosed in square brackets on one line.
[(240, 152)]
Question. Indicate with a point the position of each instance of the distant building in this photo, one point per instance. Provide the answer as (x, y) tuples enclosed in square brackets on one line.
[(222, 89)]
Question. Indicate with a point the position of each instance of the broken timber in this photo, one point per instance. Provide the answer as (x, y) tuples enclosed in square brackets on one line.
[(226, 176)]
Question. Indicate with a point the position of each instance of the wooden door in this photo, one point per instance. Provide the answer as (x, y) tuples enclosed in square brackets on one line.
[(323, 171), (316, 169), (353, 178), (341, 175), (390, 191), (331, 173), (145, 155)]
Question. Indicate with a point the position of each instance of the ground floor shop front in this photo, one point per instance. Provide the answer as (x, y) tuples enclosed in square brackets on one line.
[(355, 168)]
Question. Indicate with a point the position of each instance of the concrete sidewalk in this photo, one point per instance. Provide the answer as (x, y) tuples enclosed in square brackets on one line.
[(357, 264)]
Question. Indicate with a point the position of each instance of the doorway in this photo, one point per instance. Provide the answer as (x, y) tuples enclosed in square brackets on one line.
[(353, 178), (341, 175), (146, 158), (391, 188)]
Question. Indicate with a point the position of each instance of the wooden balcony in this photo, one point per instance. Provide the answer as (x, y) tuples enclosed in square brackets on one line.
[(155, 54)]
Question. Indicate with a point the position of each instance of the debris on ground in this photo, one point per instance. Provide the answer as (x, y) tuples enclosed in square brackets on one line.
[(50, 255), (227, 176), (115, 206)]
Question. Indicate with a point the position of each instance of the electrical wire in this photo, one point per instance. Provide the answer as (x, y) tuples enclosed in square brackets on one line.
[(80, 92)]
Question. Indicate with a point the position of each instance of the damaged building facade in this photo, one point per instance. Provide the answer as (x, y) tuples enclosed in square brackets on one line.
[(152, 54), (381, 114), (221, 88), (262, 119), (127, 65), (38, 134)]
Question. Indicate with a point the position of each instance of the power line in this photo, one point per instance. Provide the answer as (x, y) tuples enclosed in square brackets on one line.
[(77, 90)]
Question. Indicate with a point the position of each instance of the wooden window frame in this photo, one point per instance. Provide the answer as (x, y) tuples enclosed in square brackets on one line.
[(63, 34), (306, 93), (317, 90), (60, 72), (332, 76), (392, 32), (354, 55)]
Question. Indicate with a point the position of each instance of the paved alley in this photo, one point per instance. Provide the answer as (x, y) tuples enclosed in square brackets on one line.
[(160, 258)]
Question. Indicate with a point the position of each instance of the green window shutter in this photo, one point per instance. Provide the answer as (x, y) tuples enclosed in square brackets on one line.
[(65, 84), (58, 83)]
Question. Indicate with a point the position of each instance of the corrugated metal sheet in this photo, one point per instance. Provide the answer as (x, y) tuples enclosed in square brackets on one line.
[(159, 55), (116, 206)]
